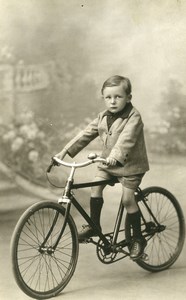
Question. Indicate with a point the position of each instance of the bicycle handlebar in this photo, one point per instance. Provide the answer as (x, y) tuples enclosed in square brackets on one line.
[(93, 159)]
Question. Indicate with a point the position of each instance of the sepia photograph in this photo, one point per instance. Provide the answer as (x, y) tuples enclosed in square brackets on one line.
[(92, 149)]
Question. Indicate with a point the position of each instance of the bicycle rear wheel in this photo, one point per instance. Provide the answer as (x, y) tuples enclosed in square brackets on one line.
[(38, 270), (166, 240)]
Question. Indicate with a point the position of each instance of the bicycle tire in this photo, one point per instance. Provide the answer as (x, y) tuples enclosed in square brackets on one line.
[(164, 248), (43, 274)]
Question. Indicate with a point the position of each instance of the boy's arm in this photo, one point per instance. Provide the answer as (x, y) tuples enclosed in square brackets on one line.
[(127, 138), (82, 139)]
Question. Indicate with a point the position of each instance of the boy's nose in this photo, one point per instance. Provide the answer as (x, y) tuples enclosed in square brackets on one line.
[(113, 100)]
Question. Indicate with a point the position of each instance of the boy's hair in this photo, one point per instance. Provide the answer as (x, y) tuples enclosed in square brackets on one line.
[(117, 80)]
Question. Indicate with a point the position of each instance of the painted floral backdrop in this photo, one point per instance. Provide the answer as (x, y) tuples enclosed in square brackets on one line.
[(27, 147)]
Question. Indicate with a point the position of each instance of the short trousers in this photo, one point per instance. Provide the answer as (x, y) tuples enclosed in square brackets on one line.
[(130, 182)]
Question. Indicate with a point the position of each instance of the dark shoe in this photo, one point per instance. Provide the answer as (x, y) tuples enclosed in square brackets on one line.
[(137, 248), (86, 233)]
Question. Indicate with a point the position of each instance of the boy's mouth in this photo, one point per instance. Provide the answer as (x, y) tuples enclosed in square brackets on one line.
[(113, 109)]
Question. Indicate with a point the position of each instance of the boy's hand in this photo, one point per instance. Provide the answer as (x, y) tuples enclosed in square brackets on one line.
[(111, 161), (61, 154)]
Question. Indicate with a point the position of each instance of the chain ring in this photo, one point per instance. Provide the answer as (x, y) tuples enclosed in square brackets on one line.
[(104, 257)]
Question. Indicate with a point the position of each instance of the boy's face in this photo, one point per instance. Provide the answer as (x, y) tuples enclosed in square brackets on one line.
[(115, 98)]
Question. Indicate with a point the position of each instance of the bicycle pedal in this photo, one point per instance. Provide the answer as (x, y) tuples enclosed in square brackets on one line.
[(144, 257), (86, 241)]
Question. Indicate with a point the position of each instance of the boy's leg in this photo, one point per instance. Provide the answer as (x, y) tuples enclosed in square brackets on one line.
[(96, 204), (128, 199)]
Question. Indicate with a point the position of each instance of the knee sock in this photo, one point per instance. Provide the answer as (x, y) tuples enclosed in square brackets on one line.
[(96, 204), (135, 222)]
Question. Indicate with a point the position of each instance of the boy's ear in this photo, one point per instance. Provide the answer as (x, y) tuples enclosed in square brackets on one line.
[(129, 98)]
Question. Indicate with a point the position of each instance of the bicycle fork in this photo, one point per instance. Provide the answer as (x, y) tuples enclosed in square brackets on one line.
[(65, 199)]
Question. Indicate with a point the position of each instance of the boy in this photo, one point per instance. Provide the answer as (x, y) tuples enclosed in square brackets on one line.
[(121, 131)]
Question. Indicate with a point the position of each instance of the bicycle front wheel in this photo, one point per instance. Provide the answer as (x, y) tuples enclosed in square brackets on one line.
[(40, 270), (166, 240)]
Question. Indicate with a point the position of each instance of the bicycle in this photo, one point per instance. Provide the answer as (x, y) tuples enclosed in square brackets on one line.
[(44, 246)]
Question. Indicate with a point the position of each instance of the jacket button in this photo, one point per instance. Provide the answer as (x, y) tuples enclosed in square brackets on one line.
[(110, 133)]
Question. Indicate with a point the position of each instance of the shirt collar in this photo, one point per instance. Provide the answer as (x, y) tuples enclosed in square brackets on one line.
[(124, 113)]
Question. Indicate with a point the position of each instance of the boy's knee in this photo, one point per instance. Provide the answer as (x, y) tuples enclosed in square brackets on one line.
[(96, 191), (127, 202), (128, 198)]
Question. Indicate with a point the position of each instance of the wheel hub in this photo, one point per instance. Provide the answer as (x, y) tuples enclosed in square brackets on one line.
[(46, 250)]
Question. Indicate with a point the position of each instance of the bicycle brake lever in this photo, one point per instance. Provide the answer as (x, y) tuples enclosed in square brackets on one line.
[(50, 167), (52, 164)]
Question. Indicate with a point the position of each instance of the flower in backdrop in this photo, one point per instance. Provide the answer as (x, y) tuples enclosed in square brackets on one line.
[(33, 156), (10, 135), (17, 144)]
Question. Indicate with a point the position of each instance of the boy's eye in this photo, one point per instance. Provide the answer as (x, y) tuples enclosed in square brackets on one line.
[(116, 97)]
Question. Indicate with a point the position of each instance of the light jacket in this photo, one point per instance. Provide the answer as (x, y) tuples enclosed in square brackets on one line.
[(124, 141)]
